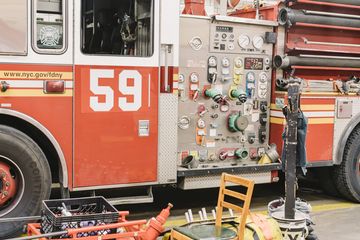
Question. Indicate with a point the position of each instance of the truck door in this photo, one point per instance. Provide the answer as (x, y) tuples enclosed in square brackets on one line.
[(116, 92)]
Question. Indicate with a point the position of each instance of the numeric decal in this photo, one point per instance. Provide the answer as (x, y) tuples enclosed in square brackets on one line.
[(95, 75), (125, 89), (135, 90)]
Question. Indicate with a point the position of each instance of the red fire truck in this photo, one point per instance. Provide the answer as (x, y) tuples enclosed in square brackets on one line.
[(107, 94)]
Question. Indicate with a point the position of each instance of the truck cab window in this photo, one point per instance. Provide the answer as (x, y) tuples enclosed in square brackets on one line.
[(13, 27), (117, 27), (48, 26)]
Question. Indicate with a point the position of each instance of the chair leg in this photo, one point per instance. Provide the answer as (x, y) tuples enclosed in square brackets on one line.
[(219, 210)]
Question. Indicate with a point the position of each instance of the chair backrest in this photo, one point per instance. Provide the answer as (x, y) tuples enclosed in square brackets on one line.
[(245, 198)]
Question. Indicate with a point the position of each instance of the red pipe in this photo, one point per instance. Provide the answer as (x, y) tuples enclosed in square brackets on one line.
[(73, 232)]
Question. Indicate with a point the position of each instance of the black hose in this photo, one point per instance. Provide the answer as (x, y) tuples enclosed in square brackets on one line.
[(20, 219), (287, 61), (293, 16)]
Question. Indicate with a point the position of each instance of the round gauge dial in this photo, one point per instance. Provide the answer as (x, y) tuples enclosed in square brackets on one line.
[(212, 61), (194, 78), (243, 41), (250, 77), (263, 77), (258, 42), (225, 62), (181, 78), (201, 124), (238, 63)]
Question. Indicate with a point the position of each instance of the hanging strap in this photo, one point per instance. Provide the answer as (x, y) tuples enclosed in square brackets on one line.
[(262, 222)]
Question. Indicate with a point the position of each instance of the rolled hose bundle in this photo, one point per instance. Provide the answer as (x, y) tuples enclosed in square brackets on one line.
[(293, 16), (284, 62)]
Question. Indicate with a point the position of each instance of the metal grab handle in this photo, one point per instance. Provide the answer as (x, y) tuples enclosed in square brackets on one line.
[(168, 50), (306, 41)]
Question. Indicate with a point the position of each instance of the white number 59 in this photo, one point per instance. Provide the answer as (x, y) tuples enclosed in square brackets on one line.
[(108, 92)]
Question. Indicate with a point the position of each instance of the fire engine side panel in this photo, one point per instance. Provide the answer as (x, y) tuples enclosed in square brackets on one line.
[(108, 144), (26, 98), (321, 116), (116, 107), (240, 57)]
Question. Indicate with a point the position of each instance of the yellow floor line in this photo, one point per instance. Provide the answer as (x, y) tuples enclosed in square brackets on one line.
[(333, 206), (315, 209)]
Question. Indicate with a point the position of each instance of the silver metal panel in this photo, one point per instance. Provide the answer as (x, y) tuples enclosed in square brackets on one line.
[(214, 181), (194, 55), (343, 128), (13, 27), (148, 198), (344, 109), (246, 21), (168, 115), (49, 6)]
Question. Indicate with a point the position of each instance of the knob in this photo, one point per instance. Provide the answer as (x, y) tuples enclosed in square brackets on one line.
[(237, 123), (242, 153), (214, 94), (239, 94)]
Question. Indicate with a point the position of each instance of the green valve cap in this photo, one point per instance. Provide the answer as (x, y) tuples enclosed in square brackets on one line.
[(214, 94), (237, 123), (211, 93), (242, 153), (239, 94)]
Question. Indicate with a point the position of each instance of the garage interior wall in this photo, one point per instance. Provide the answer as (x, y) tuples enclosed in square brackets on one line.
[(213, 8)]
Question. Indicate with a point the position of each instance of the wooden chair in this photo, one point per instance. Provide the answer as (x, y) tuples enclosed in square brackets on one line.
[(207, 231)]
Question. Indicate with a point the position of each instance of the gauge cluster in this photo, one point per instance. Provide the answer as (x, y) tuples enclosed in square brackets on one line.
[(229, 39), (224, 93)]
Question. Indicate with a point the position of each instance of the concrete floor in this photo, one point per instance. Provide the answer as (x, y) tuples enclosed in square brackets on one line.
[(343, 224), (335, 218)]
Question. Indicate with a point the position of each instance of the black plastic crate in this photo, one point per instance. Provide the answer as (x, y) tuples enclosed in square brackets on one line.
[(93, 211)]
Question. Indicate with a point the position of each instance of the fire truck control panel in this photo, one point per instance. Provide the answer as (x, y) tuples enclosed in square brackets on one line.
[(224, 91)]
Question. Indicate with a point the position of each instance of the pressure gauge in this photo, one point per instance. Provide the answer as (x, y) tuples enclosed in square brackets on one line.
[(243, 41), (238, 62), (225, 62), (194, 78), (258, 42), (212, 61), (250, 77), (201, 124), (263, 77), (181, 78)]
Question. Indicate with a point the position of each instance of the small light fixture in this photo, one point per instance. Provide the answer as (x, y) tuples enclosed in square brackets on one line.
[(54, 86)]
